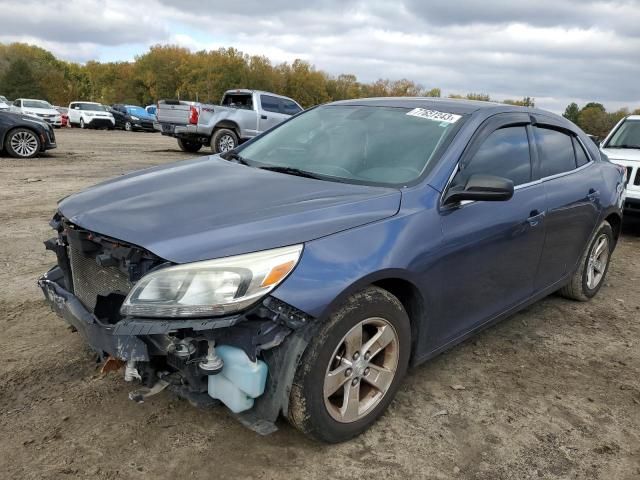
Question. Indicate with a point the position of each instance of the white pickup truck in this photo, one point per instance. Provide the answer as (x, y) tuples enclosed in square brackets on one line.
[(241, 115)]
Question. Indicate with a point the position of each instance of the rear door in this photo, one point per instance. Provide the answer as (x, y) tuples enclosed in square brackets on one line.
[(572, 185), (492, 249), (270, 114), (74, 116)]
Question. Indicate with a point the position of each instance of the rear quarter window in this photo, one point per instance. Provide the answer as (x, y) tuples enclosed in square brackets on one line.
[(581, 155)]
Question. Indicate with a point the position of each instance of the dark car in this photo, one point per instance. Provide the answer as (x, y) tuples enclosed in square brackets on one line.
[(23, 136), (131, 117), (302, 273)]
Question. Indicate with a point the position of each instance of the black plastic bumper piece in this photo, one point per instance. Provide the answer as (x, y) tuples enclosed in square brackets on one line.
[(99, 336)]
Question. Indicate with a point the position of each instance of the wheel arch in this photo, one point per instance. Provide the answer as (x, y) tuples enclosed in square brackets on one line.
[(229, 124), (404, 288), (615, 220)]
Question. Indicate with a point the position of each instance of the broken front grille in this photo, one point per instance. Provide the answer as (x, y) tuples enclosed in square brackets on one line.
[(91, 279)]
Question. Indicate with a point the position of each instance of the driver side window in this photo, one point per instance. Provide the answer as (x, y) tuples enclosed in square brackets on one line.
[(504, 153)]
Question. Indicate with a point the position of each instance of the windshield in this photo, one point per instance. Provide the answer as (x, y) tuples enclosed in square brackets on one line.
[(626, 136), (359, 144), (36, 104), (137, 111), (92, 107)]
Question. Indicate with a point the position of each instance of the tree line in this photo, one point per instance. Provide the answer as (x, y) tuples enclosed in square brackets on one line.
[(169, 71)]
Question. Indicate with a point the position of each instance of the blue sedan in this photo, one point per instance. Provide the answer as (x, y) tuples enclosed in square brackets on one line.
[(302, 273)]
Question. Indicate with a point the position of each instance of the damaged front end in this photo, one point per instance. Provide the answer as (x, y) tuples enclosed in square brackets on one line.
[(244, 355)]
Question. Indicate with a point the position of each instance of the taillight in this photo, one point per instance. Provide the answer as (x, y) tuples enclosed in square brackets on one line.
[(193, 115)]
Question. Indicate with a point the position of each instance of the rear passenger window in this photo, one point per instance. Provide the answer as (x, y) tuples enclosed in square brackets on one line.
[(289, 107), (556, 152), (581, 156), (270, 104), (505, 153)]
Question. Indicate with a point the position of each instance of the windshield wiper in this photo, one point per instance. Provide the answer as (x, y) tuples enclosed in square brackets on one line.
[(235, 156), (623, 146), (291, 171)]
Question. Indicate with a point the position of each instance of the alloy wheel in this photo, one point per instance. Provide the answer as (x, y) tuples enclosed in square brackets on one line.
[(24, 144), (598, 260), (361, 370), (226, 143)]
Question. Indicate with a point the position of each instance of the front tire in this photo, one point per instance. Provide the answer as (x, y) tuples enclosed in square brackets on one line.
[(223, 140), (594, 265), (352, 368), (190, 147), (22, 143), (82, 125), (128, 127)]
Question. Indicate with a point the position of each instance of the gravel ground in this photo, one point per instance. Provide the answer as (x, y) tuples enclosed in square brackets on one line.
[(551, 393)]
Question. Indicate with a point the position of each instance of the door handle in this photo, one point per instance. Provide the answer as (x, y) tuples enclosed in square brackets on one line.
[(263, 117), (593, 195), (534, 217)]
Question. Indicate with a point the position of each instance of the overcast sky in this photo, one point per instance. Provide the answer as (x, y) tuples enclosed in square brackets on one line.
[(557, 51)]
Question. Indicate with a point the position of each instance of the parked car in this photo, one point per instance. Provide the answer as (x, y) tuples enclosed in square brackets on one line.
[(151, 109), (4, 103), (90, 115), (40, 109), (64, 115), (622, 146), (304, 271), (241, 115), (131, 117), (23, 136)]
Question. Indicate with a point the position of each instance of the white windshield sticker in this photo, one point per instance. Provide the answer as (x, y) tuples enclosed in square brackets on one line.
[(435, 115)]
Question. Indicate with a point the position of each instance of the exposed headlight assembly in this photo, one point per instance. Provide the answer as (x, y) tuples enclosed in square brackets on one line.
[(133, 117), (212, 287)]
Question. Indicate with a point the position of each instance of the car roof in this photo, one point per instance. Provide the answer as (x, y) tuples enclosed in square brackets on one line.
[(82, 101), (633, 117), (452, 105)]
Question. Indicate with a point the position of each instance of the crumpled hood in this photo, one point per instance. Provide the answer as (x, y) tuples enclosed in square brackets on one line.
[(622, 153), (209, 208)]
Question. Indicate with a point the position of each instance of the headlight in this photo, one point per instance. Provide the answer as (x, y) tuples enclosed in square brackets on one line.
[(133, 117), (89, 114), (212, 287)]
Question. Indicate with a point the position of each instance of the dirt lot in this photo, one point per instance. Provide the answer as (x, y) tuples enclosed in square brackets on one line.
[(551, 393)]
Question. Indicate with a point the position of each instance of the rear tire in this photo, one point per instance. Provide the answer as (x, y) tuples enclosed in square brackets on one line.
[(22, 143), (190, 147), (223, 140), (343, 363), (594, 265)]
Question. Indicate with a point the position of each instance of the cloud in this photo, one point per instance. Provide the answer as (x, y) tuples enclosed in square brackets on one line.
[(554, 50)]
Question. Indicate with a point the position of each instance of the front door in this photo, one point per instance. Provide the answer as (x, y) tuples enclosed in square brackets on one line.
[(492, 249)]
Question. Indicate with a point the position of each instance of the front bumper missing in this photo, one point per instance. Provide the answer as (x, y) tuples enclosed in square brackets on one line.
[(132, 340)]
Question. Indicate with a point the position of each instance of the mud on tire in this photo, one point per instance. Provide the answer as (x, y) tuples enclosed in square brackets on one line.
[(578, 287), (307, 408)]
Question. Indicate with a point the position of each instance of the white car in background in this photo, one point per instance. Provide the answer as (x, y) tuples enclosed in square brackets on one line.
[(622, 146), (39, 109), (4, 104), (90, 115)]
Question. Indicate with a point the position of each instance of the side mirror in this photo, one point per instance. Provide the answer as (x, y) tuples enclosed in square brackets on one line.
[(485, 188)]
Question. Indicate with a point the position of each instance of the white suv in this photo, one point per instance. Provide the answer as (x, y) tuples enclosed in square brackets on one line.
[(622, 146), (90, 115), (37, 108)]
